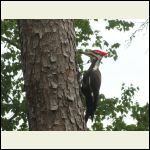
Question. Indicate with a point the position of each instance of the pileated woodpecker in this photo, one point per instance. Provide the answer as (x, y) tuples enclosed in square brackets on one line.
[(91, 82)]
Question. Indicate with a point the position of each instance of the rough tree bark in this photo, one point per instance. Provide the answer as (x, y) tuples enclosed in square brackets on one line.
[(52, 91)]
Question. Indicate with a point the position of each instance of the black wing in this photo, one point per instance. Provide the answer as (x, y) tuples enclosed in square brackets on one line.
[(90, 87)]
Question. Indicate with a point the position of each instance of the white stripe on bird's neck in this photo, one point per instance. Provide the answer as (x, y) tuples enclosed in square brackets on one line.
[(96, 66), (95, 63)]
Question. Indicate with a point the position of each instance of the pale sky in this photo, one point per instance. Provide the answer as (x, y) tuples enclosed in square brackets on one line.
[(132, 65)]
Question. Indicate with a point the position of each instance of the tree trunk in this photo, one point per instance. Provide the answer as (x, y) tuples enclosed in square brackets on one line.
[(52, 91)]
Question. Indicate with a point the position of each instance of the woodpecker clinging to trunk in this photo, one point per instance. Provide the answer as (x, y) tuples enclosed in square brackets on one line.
[(92, 81)]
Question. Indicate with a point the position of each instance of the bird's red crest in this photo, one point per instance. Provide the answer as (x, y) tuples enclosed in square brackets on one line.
[(102, 53)]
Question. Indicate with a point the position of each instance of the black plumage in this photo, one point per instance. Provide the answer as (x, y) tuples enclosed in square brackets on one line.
[(90, 88), (91, 82)]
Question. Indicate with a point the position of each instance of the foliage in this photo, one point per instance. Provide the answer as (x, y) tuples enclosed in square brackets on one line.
[(13, 110), (84, 33), (115, 111), (9, 33), (119, 25), (13, 104)]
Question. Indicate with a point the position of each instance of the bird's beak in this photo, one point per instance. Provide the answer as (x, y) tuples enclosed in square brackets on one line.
[(89, 53)]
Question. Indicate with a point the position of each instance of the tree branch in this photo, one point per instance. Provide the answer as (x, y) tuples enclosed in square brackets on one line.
[(144, 25), (10, 42)]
